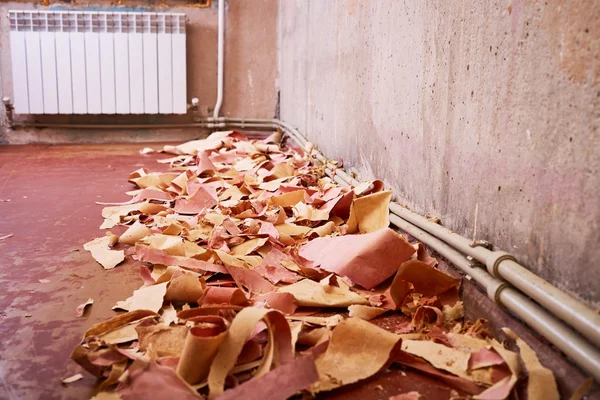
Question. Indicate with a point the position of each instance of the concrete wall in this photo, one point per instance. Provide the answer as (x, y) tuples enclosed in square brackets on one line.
[(250, 69), (484, 113)]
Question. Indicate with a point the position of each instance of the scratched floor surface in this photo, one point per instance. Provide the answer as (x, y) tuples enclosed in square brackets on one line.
[(51, 213)]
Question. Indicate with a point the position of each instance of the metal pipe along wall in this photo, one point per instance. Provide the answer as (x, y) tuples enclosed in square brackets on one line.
[(220, 58)]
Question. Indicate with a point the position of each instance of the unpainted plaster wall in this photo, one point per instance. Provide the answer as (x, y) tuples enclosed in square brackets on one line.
[(250, 70), (484, 113)]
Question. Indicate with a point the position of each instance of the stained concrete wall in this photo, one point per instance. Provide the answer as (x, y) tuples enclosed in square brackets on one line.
[(484, 113), (250, 69)]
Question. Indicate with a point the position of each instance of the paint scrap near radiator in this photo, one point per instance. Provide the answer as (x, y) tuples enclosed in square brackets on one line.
[(263, 278)]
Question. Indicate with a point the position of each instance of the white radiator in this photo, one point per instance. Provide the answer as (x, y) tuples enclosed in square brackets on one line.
[(98, 62)]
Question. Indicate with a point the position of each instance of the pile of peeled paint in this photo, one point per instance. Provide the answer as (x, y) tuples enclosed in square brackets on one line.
[(263, 278)]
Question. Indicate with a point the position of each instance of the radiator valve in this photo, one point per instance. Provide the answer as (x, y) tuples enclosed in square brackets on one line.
[(8, 109), (195, 109)]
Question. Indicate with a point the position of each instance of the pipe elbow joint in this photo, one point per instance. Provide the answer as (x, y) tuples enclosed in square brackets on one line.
[(493, 262)]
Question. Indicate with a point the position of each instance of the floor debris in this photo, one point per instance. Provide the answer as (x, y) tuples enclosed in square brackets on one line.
[(100, 249), (263, 278), (80, 310), (73, 378)]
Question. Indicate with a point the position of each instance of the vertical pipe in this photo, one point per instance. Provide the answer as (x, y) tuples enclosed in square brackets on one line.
[(220, 56)]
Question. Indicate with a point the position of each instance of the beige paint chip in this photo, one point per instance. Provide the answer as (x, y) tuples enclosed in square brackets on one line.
[(145, 298), (314, 294), (80, 310), (100, 249), (72, 379)]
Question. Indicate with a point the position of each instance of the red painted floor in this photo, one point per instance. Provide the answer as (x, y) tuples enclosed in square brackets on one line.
[(51, 214)]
